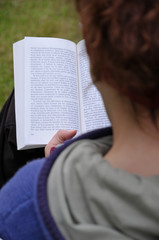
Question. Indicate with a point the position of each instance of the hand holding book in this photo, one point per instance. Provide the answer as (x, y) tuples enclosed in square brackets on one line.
[(60, 137)]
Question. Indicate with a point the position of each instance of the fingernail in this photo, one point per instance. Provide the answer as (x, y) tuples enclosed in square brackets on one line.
[(52, 149)]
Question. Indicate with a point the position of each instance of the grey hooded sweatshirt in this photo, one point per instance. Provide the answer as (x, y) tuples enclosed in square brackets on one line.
[(91, 200)]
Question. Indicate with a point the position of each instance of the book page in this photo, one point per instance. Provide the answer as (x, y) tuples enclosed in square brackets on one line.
[(51, 100), (18, 54), (93, 111)]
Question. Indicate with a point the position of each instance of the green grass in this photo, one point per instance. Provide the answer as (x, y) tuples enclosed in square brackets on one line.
[(41, 18)]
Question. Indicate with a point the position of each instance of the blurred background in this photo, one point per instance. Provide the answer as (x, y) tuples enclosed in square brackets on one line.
[(37, 18)]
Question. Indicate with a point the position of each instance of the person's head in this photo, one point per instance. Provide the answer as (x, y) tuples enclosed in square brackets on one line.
[(122, 38)]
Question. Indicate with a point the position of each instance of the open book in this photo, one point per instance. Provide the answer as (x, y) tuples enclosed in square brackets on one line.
[(53, 90)]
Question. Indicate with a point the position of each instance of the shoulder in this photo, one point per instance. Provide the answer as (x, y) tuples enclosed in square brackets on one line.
[(63, 163), (82, 152)]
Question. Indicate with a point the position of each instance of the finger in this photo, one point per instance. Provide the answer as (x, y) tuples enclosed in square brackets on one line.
[(59, 138)]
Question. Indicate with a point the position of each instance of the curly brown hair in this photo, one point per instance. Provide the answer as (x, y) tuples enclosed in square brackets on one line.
[(123, 44)]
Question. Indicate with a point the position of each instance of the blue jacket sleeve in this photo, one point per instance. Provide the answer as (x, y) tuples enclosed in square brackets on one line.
[(19, 214)]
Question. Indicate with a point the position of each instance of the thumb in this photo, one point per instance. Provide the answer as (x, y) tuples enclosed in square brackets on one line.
[(63, 135)]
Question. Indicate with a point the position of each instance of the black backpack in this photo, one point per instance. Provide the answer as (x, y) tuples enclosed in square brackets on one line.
[(10, 158)]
